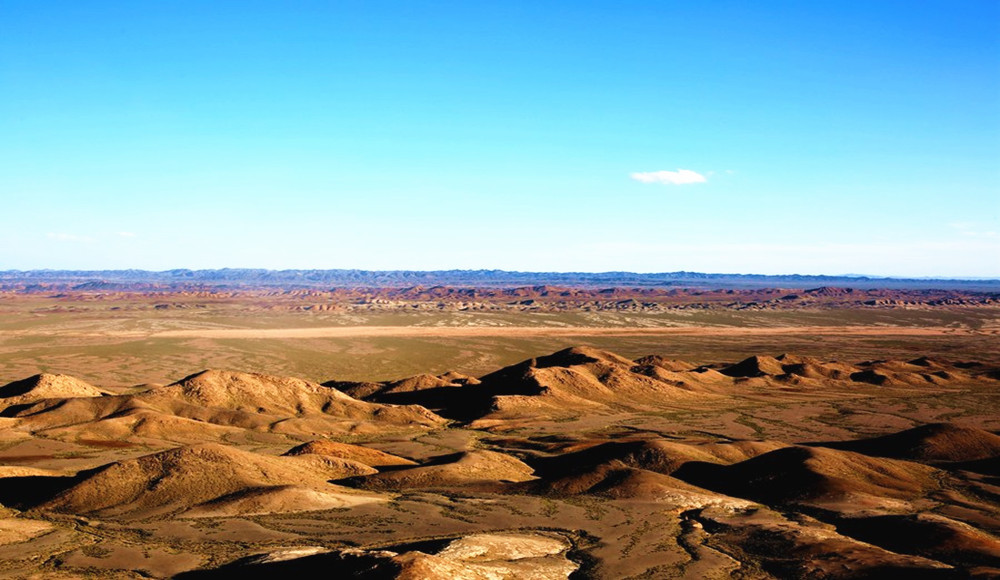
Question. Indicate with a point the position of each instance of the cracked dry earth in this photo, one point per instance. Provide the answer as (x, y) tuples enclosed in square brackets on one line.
[(577, 464)]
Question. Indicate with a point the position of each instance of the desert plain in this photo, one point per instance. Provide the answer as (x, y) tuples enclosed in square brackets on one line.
[(535, 432)]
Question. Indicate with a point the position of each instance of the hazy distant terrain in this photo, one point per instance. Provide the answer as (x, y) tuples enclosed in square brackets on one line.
[(257, 278)]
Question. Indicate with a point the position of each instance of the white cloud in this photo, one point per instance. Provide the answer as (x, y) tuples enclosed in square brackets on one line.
[(679, 177), (63, 237), (127, 234)]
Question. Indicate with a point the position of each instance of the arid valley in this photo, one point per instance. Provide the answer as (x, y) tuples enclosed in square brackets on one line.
[(530, 432), (500, 290)]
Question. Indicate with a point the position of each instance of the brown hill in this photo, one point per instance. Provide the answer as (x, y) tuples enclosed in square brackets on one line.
[(268, 402), (921, 372), (585, 380), (786, 366), (988, 466), (221, 398), (755, 366), (616, 480), (468, 468), (664, 363), (365, 455), (177, 479), (658, 455), (580, 355), (680, 374), (137, 426), (279, 499), (50, 413), (931, 442), (563, 385), (568, 382), (509, 410), (381, 392), (814, 368), (797, 546), (266, 394), (929, 535), (46, 386), (813, 475), (584, 375), (809, 371), (356, 389)]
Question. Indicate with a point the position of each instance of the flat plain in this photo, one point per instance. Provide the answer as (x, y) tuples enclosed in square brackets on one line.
[(772, 434)]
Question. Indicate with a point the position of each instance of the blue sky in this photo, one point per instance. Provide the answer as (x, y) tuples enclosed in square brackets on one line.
[(764, 137)]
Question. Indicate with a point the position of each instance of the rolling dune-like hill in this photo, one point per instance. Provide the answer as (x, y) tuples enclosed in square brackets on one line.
[(46, 386), (584, 380), (365, 455), (616, 480), (186, 477), (931, 534), (582, 463), (805, 474), (479, 467), (566, 382), (657, 455), (210, 404), (934, 442), (388, 391), (252, 393)]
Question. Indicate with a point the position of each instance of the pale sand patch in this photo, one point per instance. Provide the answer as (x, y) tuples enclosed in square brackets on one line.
[(13, 530), (282, 499), (156, 562), (21, 471)]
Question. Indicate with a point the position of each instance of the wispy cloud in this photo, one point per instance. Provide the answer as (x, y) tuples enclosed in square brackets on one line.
[(679, 177), (126, 234), (973, 230), (64, 237)]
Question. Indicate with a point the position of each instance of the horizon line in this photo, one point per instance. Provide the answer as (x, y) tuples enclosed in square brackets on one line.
[(860, 277)]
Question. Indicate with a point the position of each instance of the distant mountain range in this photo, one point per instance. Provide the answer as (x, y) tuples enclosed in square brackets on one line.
[(292, 279)]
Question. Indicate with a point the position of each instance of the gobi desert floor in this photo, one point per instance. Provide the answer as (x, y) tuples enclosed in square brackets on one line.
[(250, 436)]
